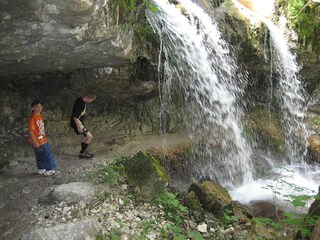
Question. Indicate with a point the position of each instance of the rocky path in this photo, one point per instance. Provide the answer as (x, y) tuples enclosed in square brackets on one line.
[(21, 187)]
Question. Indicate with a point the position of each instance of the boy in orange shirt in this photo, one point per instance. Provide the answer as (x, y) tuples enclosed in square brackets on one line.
[(37, 138)]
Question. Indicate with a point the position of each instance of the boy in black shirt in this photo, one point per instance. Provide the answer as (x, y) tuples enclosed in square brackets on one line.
[(76, 122)]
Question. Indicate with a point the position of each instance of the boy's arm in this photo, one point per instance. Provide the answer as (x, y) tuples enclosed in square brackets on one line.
[(79, 124), (34, 143)]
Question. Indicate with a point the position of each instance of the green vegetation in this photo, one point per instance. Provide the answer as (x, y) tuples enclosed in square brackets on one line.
[(267, 222), (305, 19), (174, 212), (316, 121), (228, 217), (293, 220), (177, 233), (111, 173), (173, 208), (129, 5)]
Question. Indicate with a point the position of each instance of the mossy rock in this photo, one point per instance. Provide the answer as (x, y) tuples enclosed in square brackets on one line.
[(213, 197), (196, 211), (146, 173), (265, 127)]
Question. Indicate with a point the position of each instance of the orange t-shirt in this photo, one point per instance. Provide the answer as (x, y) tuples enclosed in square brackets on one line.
[(36, 125)]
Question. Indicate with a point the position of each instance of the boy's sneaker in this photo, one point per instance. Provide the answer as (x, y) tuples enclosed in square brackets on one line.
[(86, 155), (41, 171), (50, 173)]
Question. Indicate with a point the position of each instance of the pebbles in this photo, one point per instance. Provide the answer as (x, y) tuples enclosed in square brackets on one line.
[(117, 213)]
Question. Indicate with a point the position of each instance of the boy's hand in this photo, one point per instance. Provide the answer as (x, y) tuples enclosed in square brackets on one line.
[(36, 145)]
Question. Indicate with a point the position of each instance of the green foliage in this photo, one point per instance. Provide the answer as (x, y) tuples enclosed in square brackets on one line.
[(296, 220), (171, 205), (177, 233), (195, 235), (148, 226), (129, 5), (303, 17), (316, 121), (114, 234), (103, 196), (128, 198), (267, 222), (228, 217), (173, 232), (110, 173)]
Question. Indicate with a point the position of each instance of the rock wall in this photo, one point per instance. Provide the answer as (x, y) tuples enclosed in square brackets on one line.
[(55, 50)]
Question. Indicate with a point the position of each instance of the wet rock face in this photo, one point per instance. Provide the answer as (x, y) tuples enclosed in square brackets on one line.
[(58, 35)]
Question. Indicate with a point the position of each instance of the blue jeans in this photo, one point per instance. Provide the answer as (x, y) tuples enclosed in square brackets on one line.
[(44, 157)]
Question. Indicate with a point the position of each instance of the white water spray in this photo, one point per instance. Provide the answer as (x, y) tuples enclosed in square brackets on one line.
[(197, 64), (289, 94), (290, 90)]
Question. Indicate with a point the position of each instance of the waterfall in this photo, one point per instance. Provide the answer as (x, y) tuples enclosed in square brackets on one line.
[(197, 65), (289, 91), (290, 94)]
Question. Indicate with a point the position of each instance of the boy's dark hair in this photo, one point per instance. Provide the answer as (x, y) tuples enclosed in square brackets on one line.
[(36, 102)]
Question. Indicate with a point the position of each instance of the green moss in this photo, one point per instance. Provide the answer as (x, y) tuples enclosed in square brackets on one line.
[(127, 5), (217, 191), (160, 170), (265, 127), (316, 121), (145, 166)]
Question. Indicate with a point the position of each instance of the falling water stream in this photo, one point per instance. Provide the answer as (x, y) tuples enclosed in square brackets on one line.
[(198, 64), (289, 94), (198, 61)]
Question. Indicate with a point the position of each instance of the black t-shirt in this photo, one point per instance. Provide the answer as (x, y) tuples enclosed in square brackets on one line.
[(78, 111)]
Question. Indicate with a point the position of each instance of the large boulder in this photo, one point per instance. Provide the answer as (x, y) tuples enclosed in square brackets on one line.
[(213, 197), (146, 173), (86, 229), (75, 192)]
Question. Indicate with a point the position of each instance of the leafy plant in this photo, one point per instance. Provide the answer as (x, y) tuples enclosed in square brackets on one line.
[(103, 196), (128, 198), (296, 220), (173, 232), (148, 226), (172, 206), (228, 217), (267, 222), (303, 17), (128, 5), (195, 235), (110, 173)]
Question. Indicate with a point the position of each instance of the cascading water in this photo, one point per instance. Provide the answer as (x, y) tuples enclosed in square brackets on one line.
[(289, 91), (198, 65), (290, 96)]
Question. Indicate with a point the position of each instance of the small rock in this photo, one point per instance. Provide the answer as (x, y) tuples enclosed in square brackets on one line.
[(202, 228)]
